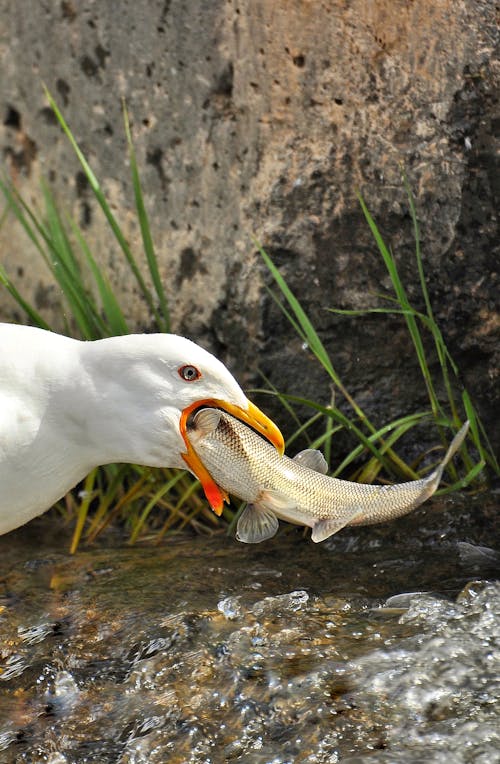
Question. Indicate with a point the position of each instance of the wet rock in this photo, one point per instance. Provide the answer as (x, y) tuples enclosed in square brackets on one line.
[(265, 119)]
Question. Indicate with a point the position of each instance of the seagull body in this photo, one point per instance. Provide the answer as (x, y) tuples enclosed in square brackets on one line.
[(67, 406)]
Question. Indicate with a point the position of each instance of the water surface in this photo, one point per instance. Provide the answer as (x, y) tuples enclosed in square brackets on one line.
[(379, 645)]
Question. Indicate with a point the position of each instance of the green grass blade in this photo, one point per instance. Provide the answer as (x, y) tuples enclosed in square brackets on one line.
[(463, 482), (340, 418), (52, 246), (66, 270), (308, 332), (440, 346), (479, 434), (302, 430), (310, 336), (24, 215), (165, 488), (402, 298), (276, 393), (4, 215), (101, 199), (147, 238), (366, 311), (291, 320), (418, 251), (400, 426), (324, 440), (115, 322), (109, 494), (33, 315), (83, 510), (182, 503), (57, 238)]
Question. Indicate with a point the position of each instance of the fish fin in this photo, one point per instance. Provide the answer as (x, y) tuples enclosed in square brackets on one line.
[(206, 421), (456, 443), (432, 481), (325, 528), (256, 524), (312, 459)]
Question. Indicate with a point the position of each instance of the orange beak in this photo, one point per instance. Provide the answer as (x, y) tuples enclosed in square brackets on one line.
[(252, 416)]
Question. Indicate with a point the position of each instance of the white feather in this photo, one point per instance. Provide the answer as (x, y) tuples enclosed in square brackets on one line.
[(68, 406)]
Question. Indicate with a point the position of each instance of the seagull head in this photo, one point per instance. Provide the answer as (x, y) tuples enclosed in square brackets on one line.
[(159, 381), (206, 382)]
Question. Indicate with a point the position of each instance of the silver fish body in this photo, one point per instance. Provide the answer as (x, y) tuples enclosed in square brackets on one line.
[(297, 490)]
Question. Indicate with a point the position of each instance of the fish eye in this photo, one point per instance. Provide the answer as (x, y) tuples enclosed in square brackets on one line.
[(189, 373)]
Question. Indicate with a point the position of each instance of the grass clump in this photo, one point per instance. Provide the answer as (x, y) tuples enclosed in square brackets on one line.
[(377, 443), (153, 502)]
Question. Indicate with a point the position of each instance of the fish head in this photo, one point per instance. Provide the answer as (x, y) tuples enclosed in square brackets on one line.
[(203, 424), (228, 449)]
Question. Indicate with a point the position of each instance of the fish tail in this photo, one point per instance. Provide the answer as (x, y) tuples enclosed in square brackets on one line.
[(434, 478), (409, 495), (456, 443)]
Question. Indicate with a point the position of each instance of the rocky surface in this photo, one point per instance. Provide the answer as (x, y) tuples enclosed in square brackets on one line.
[(264, 119)]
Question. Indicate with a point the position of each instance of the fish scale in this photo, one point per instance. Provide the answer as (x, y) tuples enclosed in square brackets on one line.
[(246, 466)]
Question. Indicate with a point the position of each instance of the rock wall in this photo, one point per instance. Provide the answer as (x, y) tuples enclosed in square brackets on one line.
[(264, 119)]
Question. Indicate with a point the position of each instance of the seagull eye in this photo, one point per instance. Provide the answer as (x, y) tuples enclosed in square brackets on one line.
[(189, 373)]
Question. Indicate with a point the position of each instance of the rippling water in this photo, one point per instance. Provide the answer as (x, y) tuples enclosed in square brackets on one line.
[(379, 645)]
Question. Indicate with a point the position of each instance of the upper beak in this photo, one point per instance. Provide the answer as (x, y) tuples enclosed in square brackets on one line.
[(252, 416)]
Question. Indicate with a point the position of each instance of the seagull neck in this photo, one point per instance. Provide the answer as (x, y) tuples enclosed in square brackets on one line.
[(124, 405)]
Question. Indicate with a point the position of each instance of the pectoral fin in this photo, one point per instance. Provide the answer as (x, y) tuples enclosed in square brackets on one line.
[(325, 528), (258, 521), (256, 524), (312, 459), (206, 421)]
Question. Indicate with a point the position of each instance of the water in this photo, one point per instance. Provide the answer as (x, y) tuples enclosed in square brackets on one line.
[(380, 645)]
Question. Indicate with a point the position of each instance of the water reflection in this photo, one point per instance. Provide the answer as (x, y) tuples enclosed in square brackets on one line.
[(380, 645)]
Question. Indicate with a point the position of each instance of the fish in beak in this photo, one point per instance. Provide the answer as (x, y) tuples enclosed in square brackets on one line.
[(298, 490), (251, 416)]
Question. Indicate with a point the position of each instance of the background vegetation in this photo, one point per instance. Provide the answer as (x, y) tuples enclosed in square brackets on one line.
[(152, 502)]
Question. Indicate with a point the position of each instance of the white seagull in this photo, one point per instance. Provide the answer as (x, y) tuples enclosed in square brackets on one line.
[(67, 406)]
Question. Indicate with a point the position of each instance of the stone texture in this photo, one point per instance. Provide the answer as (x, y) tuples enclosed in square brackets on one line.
[(264, 119)]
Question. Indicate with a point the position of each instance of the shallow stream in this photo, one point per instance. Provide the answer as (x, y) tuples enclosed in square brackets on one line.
[(379, 645)]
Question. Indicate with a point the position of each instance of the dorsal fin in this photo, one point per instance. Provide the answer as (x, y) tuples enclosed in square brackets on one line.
[(312, 459)]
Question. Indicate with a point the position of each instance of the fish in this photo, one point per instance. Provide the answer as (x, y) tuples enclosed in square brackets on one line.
[(297, 490)]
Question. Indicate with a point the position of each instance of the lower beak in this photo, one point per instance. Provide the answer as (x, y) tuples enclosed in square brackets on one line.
[(252, 416)]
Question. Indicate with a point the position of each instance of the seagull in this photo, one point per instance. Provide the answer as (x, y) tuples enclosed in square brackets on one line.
[(67, 406)]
